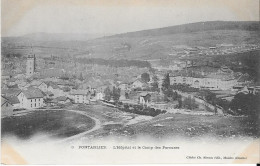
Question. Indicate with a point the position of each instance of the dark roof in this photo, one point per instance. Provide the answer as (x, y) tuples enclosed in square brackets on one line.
[(48, 93), (65, 83), (12, 80), (13, 99), (3, 100), (80, 92), (53, 85), (33, 93), (11, 91), (139, 79), (244, 78), (144, 94), (61, 98), (187, 74), (13, 86)]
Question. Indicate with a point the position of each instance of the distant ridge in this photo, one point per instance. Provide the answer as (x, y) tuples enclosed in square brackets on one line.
[(194, 27)]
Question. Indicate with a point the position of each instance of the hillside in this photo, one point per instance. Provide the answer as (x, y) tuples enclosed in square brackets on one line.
[(195, 27), (141, 45)]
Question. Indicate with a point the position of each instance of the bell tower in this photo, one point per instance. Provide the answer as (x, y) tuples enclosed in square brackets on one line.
[(30, 65)]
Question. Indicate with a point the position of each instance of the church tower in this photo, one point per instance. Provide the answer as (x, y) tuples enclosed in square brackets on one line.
[(30, 65)]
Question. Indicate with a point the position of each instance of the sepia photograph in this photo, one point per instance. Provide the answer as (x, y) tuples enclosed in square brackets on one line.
[(130, 82)]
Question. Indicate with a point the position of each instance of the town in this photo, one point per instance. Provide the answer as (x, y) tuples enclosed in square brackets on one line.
[(57, 82), (160, 83)]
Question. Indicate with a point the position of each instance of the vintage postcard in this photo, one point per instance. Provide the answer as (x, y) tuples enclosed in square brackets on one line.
[(130, 81)]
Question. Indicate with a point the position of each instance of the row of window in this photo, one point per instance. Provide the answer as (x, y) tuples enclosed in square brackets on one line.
[(35, 100), (35, 105)]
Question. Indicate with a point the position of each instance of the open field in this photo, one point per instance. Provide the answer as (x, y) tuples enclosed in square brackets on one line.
[(195, 126), (118, 124), (115, 123), (52, 123)]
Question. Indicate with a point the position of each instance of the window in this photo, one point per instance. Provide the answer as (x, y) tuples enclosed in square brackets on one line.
[(31, 106), (35, 100), (31, 100), (6, 104), (35, 104)]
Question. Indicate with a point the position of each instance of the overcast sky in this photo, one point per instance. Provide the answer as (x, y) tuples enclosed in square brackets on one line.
[(21, 17)]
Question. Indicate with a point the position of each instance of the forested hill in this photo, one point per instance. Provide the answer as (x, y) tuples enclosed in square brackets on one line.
[(195, 27)]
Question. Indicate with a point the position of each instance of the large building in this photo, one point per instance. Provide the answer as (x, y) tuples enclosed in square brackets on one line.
[(30, 65), (213, 80)]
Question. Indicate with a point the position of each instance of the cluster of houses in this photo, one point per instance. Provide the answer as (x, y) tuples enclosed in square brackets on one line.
[(220, 49), (23, 91)]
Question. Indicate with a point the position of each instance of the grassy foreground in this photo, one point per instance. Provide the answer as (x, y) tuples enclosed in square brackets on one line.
[(54, 123)]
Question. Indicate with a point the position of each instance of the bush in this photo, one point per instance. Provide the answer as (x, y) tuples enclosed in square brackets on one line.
[(189, 103), (139, 109)]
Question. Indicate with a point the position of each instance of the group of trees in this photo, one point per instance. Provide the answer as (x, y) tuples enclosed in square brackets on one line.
[(115, 63), (246, 104), (114, 94), (139, 109), (184, 88), (208, 96), (189, 103), (242, 104)]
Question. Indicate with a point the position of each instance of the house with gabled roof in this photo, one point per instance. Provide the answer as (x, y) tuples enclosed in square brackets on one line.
[(62, 100), (14, 101), (40, 85), (6, 107), (144, 98), (80, 96), (31, 98), (139, 83), (55, 89)]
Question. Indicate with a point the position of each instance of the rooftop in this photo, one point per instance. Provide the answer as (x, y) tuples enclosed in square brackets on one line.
[(13, 99), (80, 92), (61, 98), (33, 93)]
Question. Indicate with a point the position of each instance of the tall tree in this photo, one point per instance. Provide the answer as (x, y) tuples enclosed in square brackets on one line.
[(166, 83), (81, 77), (107, 92), (116, 94), (166, 87), (155, 85)]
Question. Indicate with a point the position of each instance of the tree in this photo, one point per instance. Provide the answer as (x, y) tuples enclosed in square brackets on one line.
[(175, 96), (189, 103), (155, 85), (166, 87), (166, 83), (81, 77), (155, 78), (208, 96), (145, 77), (126, 95), (107, 92), (116, 94), (246, 104), (179, 102)]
